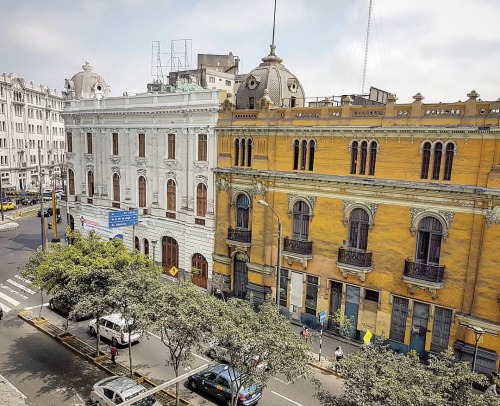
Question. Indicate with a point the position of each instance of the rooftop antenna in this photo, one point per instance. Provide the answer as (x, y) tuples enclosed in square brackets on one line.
[(181, 54), (273, 47), (156, 66), (366, 45)]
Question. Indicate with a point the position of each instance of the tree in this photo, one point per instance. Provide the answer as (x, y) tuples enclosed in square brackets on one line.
[(378, 376), (259, 344), (182, 317)]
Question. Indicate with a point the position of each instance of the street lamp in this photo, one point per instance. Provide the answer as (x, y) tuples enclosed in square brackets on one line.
[(478, 332), (154, 247), (278, 266)]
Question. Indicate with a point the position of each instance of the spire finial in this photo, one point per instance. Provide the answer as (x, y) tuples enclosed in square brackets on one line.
[(273, 47)]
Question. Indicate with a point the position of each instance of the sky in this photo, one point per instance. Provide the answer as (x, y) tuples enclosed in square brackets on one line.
[(442, 49)]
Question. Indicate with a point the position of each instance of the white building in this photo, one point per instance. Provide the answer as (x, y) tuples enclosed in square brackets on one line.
[(153, 152), (29, 119)]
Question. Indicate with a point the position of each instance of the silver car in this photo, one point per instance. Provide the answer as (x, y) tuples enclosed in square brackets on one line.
[(115, 390)]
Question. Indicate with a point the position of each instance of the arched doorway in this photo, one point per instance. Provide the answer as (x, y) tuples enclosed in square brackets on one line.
[(199, 271), (240, 275), (170, 256)]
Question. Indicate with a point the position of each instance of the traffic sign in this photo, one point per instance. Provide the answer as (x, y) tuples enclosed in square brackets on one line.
[(368, 336), (123, 218), (322, 316)]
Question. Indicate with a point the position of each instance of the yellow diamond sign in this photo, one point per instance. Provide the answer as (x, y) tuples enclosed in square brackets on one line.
[(368, 336), (173, 271)]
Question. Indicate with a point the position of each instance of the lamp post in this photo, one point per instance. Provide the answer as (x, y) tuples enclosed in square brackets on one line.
[(154, 249), (278, 266), (478, 332)]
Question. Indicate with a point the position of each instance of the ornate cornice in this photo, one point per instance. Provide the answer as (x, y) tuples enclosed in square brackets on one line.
[(492, 216), (309, 199), (368, 207), (417, 213)]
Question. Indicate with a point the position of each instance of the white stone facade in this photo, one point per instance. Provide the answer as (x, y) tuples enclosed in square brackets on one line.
[(30, 118), (122, 129)]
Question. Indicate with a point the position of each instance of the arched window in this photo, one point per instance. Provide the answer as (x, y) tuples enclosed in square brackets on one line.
[(438, 153), (430, 233), (358, 229), (249, 152), (300, 221), (303, 155), (363, 154), (236, 151), (71, 180), (170, 256), (90, 183), (142, 191), (296, 155), (201, 200), (116, 187), (354, 156), (373, 158), (171, 146), (199, 271), (448, 161), (242, 212), (137, 243), (243, 145), (426, 158), (145, 242), (312, 148), (171, 206)]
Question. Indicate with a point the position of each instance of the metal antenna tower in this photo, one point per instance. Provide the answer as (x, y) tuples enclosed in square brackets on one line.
[(366, 47), (156, 66), (181, 54)]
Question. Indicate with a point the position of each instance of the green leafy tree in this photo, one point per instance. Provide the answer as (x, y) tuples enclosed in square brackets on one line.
[(259, 344), (378, 376), (182, 316)]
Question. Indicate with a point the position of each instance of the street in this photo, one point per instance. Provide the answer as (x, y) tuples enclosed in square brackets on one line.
[(49, 374)]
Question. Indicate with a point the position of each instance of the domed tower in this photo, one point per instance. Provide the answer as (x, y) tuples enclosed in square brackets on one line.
[(86, 85), (283, 87)]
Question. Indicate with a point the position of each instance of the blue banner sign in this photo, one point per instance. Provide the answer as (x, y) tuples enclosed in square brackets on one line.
[(123, 218), (322, 316)]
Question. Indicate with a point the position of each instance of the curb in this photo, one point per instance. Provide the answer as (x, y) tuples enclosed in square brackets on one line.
[(67, 339), (325, 369)]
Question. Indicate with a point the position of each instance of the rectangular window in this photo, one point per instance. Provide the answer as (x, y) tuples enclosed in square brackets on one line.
[(312, 294), (441, 329), (371, 295), (202, 147), (251, 103), (142, 145), (283, 287), (115, 143), (89, 143), (171, 146), (398, 320), (211, 79), (228, 83)]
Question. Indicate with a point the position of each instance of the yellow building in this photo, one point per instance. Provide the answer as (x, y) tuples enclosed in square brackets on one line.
[(389, 212)]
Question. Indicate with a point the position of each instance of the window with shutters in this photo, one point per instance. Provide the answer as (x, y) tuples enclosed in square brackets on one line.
[(312, 287), (296, 150), (448, 160), (142, 145), (358, 229), (202, 147), (398, 319), (303, 155), (71, 180), (430, 233), (300, 221), (69, 141), (441, 330), (201, 200), (199, 271), (171, 195), (142, 191), (363, 155), (242, 212), (115, 144), (90, 183), (89, 143), (354, 157), (116, 187), (171, 146), (170, 256), (312, 149), (373, 157), (236, 151), (438, 154), (426, 159)]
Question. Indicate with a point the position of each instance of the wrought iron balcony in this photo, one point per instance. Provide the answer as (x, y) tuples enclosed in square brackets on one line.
[(243, 236), (297, 246), (424, 272), (350, 256)]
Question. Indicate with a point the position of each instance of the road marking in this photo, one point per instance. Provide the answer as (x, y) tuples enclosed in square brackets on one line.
[(24, 288), (5, 308), (153, 335), (284, 382), (36, 307), (27, 281), (200, 357), (8, 298), (15, 292), (290, 400)]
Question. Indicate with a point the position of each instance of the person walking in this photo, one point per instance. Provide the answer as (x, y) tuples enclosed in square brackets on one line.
[(114, 353), (304, 333), (339, 354), (493, 383)]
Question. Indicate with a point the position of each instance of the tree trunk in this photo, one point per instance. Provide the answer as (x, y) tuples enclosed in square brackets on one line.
[(130, 356)]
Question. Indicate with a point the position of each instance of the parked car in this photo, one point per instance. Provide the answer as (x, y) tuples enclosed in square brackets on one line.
[(30, 201), (114, 329), (216, 381), (64, 307), (115, 390), (8, 206), (50, 211), (45, 213)]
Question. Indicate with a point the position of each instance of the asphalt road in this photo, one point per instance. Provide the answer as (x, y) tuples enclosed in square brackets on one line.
[(49, 374)]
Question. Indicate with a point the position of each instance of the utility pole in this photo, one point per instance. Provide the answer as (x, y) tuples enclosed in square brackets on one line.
[(42, 215), (54, 217), (1, 197)]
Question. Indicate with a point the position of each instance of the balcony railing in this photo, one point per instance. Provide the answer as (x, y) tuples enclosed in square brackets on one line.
[(355, 257), (425, 272), (239, 235), (297, 246)]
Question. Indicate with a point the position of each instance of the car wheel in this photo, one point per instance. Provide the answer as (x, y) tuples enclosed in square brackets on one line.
[(193, 385), (92, 331), (114, 341), (211, 353)]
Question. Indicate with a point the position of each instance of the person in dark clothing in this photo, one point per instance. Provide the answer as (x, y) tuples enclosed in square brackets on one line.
[(492, 387), (114, 353)]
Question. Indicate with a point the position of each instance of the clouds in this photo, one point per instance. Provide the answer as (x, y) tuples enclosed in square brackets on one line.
[(442, 49)]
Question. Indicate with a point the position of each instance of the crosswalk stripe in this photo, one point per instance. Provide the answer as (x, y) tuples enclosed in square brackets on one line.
[(13, 291), (26, 281), (24, 288), (5, 308), (37, 306), (9, 299)]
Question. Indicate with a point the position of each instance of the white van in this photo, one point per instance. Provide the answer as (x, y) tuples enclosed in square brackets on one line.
[(113, 328)]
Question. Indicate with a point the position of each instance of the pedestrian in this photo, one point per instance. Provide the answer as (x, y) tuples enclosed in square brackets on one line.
[(493, 383), (304, 333), (339, 354), (114, 353)]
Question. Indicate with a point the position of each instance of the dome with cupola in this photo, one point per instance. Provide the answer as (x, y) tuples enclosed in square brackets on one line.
[(86, 85)]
